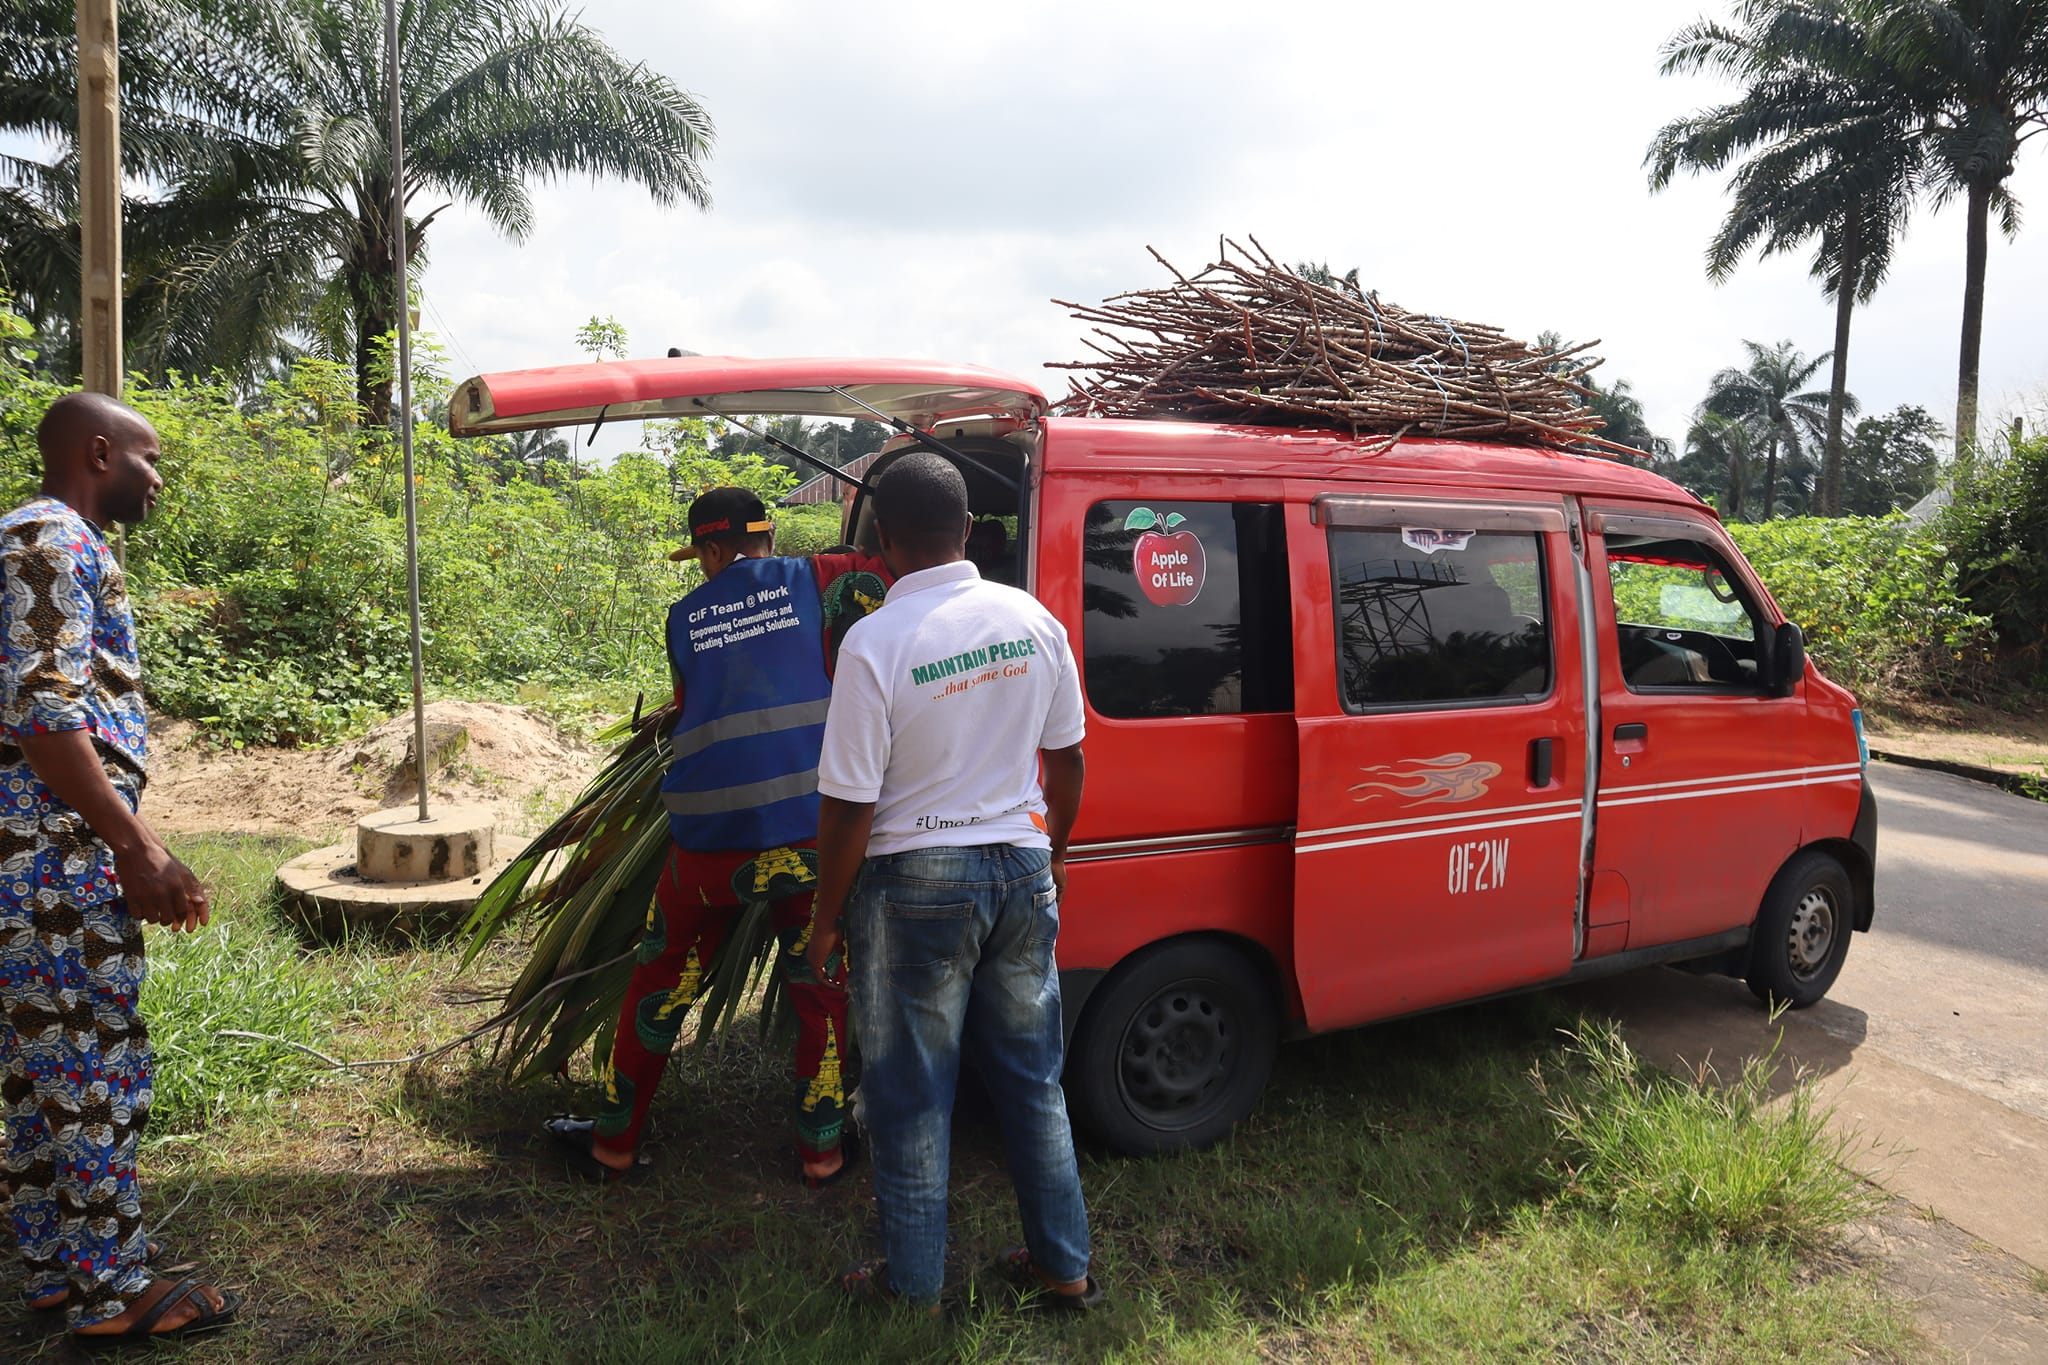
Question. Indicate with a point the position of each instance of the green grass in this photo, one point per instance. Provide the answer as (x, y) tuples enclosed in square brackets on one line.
[(244, 973), (1474, 1186), (1703, 1159)]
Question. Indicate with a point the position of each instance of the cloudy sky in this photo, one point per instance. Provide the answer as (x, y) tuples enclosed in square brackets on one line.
[(920, 179)]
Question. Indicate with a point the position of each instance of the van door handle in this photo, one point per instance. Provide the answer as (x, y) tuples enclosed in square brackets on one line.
[(1539, 761), (1638, 730)]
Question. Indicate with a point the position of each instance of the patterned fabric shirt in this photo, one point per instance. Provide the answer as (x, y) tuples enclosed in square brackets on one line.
[(67, 662)]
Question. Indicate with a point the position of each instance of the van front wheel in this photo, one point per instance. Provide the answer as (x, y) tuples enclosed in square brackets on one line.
[(1173, 1049), (1802, 931)]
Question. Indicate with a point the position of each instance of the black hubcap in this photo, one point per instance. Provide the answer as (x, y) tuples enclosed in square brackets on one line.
[(1177, 1052)]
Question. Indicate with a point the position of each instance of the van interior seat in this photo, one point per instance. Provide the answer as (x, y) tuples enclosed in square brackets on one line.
[(1475, 608), (1650, 662)]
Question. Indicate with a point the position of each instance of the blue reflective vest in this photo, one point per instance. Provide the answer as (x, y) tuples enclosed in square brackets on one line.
[(749, 650)]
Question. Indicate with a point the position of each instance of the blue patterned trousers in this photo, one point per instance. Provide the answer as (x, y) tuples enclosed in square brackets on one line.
[(75, 1088)]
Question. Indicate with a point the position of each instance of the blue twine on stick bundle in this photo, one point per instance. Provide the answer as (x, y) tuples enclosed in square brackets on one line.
[(1452, 331), (1428, 368), (1377, 329)]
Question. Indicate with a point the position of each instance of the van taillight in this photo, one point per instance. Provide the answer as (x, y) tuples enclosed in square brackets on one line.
[(1862, 744)]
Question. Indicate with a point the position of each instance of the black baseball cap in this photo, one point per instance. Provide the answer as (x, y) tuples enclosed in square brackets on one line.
[(726, 513)]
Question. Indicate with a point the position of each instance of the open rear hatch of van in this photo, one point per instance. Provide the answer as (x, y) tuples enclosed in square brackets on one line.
[(923, 393)]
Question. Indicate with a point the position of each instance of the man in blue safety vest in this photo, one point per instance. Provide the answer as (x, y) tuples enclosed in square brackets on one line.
[(750, 650)]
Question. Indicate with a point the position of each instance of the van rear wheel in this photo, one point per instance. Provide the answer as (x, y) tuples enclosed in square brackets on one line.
[(1173, 1049), (1802, 931)]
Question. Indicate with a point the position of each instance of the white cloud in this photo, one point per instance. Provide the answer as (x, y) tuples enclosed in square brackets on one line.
[(920, 178)]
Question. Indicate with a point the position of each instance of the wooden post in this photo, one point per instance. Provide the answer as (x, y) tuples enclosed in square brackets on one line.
[(99, 195), (99, 208)]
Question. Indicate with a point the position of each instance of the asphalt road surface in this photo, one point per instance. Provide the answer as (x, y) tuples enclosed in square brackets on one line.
[(1953, 976)]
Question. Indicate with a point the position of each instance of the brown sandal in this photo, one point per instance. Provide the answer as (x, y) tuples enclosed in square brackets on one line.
[(144, 1328)]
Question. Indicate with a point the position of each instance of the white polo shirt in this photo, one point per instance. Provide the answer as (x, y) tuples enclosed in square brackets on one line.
[(940, 703)]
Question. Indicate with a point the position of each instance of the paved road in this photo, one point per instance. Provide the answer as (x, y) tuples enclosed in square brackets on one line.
[(1933, 1044), (1953, 976)]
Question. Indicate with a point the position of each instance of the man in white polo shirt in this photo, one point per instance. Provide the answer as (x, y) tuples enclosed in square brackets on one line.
[(947, 857)]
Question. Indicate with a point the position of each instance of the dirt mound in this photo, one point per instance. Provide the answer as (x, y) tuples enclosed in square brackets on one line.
[(516, 763)]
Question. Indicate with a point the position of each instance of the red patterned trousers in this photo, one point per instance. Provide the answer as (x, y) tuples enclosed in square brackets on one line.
[(695, 904)]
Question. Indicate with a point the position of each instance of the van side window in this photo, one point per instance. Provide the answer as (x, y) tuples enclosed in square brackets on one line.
[(1427, 617), (1682, 619), (1184, 609)]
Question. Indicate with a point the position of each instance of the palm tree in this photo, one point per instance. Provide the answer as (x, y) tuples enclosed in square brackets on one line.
[(173, 96), (1765, 398), (529, 453), (1622, 412), (1716, 461), (1976, 72), (1832, 154), (285, 197)]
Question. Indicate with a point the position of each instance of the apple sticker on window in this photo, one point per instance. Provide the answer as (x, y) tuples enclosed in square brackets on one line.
[(1169, 563)]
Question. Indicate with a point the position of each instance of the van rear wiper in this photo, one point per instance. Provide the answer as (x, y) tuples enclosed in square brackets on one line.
[(794, 452), (931, 442)]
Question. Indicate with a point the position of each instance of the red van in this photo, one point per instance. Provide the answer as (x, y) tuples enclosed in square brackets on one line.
[(1370, 732)]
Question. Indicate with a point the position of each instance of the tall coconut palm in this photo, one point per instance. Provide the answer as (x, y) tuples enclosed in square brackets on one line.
[(285, 201), (1829, 153), (1977, 73), (1765, 396)]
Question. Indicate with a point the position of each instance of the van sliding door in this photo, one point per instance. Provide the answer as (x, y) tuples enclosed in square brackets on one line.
[(1442, 732)]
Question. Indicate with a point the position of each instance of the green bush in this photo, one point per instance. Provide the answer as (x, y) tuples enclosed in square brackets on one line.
[(807, 529), (1878, 599), (1996, 525), (270, 585)]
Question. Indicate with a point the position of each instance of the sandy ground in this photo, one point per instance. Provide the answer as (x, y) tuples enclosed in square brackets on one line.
[(514, 762)]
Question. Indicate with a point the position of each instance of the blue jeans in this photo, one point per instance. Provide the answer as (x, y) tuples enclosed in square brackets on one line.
[(946, 945)]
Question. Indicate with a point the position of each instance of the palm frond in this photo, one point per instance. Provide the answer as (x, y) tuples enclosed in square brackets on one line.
[(584, 885), (749, 953), (584, 889)]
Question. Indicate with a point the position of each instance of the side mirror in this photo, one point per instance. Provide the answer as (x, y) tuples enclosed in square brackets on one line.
[(1788, 658)]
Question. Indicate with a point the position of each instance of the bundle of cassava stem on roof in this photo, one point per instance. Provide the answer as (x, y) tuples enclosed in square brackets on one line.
[(1245, 339)]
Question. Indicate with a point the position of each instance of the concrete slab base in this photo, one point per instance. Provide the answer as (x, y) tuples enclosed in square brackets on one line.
[(326, 895)]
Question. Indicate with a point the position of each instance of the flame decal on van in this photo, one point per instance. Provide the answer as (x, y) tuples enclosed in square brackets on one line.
[(1447, 778)]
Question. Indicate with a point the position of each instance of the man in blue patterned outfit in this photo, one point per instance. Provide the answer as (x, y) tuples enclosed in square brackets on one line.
[(80, 873)]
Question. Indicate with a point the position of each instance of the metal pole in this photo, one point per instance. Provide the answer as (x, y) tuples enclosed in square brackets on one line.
[(99, 207), (412, 526)]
